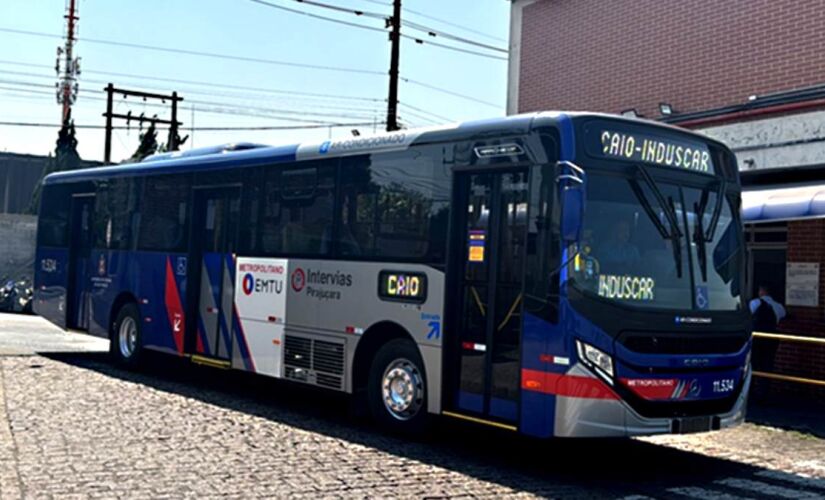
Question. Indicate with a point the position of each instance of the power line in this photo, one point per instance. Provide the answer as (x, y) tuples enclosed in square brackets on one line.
[(208, 84), (420, 110), (433, 32), (450, 92), (210, 107), (430, 31), (197, 129), (457, 49), (450, 23), (324, 18), (200, 53), (357, 12), (371, 110)]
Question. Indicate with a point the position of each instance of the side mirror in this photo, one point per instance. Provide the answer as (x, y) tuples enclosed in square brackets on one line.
[(572, 184)]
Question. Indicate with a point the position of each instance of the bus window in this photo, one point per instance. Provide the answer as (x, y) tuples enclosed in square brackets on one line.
[(116, 214), (293, 211), (395, 206), (163, 217), (54, 215)]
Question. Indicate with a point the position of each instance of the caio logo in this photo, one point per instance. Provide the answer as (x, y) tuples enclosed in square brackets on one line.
[(248, 284), (298, 280)]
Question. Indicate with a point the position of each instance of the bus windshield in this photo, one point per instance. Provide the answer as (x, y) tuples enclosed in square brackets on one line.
[(658, 245)]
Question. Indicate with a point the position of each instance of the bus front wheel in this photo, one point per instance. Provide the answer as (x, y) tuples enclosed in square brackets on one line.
[(397, 388), (126, 341)]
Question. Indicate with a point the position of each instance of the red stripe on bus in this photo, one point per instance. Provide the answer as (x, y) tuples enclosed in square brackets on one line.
[(559, 384), (174, 309)]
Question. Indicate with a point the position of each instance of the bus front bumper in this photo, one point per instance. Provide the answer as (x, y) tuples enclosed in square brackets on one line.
[(586, 417)]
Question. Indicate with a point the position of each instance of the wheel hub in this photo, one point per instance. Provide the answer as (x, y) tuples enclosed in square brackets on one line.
[(402, 389), (127, 337)]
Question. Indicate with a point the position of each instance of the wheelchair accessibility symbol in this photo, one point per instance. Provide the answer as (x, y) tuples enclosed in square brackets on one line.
[(702, 297)]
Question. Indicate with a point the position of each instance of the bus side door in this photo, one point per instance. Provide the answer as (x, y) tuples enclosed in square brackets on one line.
[(80, 266)]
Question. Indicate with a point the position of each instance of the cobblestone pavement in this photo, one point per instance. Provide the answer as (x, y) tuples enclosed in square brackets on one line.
[(73, 426)]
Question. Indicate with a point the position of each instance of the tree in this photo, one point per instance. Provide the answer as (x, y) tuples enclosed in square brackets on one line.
[(148, 144), (65, 158)]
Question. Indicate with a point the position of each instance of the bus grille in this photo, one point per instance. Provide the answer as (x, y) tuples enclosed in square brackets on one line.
[(313, 361), (682, 343)]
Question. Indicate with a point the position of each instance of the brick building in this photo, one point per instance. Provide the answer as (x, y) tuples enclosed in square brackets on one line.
[(748, 72)]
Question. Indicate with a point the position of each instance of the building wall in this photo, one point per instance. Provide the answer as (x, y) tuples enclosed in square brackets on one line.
[(610, 55)]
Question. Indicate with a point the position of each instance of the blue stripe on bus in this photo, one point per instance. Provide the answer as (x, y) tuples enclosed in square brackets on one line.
[(470, 401)]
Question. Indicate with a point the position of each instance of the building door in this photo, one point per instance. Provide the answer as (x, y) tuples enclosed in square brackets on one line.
[(490, 234), (80, 265), (216, 217)]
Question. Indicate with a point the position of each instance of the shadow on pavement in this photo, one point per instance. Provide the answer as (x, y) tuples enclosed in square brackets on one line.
[(789, 415), (603, 467)]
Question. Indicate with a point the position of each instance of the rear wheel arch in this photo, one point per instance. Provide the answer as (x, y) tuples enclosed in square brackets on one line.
[(121, 300), (370, 342)]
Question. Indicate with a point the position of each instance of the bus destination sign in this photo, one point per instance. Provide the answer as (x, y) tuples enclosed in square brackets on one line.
[(665, 152)]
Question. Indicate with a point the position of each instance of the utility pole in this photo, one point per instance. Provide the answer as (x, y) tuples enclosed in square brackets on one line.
[(395, 40), (174, 124), (67, 75)]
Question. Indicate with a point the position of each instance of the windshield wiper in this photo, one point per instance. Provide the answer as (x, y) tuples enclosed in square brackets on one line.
[(702, 237), (699, 238), (717, 210), (675, 235)]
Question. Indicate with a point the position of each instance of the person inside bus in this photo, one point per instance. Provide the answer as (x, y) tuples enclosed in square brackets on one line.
[(618, 249), (766, 311)]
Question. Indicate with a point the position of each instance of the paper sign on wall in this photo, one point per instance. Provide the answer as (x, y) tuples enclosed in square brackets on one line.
[(802, 284)]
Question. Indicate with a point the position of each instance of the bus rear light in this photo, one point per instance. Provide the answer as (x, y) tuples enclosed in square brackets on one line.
[(354, 330), (595, 359)]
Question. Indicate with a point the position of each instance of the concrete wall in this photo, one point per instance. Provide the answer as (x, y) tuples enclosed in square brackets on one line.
[(17, 243), (780, 141)]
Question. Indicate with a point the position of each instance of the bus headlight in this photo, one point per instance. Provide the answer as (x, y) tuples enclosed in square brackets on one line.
[(596, 360)]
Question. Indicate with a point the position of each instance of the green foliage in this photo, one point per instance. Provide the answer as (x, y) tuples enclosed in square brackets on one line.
[(148, 144), (65, 158)]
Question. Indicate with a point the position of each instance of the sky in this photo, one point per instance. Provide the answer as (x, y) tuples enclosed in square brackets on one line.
[(273, 94)]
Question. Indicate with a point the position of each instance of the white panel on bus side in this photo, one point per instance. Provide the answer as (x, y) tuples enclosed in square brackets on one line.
[(260, 306)]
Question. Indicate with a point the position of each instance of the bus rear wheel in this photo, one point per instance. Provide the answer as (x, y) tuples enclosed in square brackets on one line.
[(396, 388), (126, 342)]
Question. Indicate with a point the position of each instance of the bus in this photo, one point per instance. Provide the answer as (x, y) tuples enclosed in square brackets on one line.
[(553, 274)]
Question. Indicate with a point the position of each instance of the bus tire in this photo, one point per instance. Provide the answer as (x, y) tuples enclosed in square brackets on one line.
[(397, 388), (126, 343)]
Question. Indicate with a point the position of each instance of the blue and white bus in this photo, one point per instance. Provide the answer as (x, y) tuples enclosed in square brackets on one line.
[(555, 274)]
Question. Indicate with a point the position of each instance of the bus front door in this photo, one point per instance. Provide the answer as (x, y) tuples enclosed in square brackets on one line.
[(490, 232), (211, 263), (80, 265)]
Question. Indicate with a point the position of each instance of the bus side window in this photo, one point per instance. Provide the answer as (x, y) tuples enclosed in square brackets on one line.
[(116, 208), (163, 217), (54, 209), (395, 205), (297, 210)]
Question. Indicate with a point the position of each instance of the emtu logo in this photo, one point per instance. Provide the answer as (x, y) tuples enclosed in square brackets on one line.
[(299, 279), (248, 284), (324, 149)]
